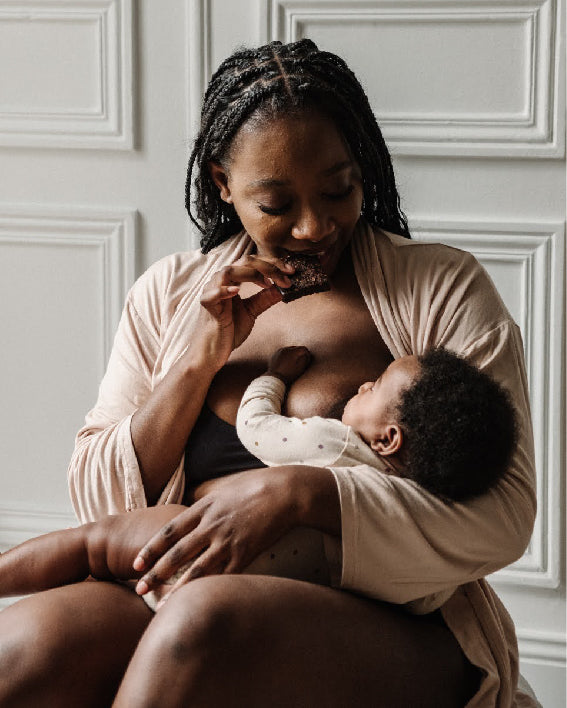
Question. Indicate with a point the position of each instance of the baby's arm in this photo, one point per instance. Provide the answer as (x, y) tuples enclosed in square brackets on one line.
[(103, 549), (259, 423), (276, 439)]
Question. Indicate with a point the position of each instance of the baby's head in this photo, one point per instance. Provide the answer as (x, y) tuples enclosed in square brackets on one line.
[(439, 421)]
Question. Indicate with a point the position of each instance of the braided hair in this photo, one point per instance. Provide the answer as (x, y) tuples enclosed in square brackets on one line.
[(277, 80)]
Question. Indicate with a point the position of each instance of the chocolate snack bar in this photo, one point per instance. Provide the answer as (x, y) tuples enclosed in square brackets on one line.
[(308, 278)]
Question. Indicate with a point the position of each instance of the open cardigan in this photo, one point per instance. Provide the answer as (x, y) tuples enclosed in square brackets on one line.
[(399, 543)]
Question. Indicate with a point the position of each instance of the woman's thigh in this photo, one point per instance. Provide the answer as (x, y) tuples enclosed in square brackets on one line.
[(69, 646), (258, 641)]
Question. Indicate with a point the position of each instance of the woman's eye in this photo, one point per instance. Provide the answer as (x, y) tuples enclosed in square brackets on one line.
[(340, 195), (274, 211), (279, 211)]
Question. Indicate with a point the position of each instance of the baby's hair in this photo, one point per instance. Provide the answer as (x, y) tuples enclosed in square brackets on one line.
[(459, 427), (278, 80)]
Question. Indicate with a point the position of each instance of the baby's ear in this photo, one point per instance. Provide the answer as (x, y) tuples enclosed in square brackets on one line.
[(390, 442)]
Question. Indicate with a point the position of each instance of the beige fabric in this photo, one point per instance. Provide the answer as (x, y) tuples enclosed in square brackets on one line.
[(399, 543)]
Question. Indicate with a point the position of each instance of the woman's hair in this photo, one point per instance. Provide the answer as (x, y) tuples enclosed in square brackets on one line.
[(277, 80), (459, 426)]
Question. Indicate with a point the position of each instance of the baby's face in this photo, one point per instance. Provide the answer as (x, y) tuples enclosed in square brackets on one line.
[(374, 407)]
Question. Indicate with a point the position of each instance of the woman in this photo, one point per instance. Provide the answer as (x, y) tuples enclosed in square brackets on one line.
[(289, 158)]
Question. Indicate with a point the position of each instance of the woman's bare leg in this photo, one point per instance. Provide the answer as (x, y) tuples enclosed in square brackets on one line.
[(69, 646), (254, 641)]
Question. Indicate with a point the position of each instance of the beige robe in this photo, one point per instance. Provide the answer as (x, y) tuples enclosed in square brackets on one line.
[(399, 543)]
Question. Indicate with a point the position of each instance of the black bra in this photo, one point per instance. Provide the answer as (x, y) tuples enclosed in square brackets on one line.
[(214, 450)]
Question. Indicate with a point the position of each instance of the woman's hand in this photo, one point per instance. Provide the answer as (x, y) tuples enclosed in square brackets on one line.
[(227, 319), (239, 517), (223, 532)]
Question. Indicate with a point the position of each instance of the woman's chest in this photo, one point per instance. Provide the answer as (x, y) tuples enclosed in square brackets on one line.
[(338, 330)]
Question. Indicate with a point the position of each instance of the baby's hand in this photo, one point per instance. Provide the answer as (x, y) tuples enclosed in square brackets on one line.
[(288, 363)]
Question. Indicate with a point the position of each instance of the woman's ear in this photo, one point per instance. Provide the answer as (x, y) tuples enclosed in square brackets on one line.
[(220, 178), (390, 442)]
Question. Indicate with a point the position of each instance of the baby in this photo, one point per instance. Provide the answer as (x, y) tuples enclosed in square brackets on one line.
[(434, 419)]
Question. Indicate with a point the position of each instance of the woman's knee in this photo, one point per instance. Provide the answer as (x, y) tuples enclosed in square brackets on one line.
[(186, 647), (201, 619)]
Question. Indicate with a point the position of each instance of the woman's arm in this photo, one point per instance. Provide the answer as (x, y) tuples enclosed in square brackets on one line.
[(129, 453), (160, 428), (105, 474), (401, 543), (239, 517)]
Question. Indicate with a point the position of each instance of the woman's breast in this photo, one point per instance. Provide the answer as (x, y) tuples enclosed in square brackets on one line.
[(324, 390), (346, 347)]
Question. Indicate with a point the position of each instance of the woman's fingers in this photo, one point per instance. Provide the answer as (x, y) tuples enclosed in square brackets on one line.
[(235, 317), (275, 270), (213, 294), (183, 552), (260, 302), (254, 270), (166, 537)]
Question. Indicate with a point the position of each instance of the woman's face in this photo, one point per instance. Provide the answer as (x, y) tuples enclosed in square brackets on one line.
[(294, 185)]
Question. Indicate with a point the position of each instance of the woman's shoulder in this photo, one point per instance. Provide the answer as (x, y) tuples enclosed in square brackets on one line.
[(170, 280), (185, 265), (425, 255), (165, 279), (427, 264), (170, 268), (441, 283)]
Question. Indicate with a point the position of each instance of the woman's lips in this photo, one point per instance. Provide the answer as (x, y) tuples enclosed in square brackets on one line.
[(321, 253), (325, 253)]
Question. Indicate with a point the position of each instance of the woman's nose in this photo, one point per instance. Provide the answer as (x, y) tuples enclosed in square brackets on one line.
[(312, 225)]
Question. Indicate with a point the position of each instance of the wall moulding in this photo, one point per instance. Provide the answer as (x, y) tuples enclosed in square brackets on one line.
[(529, 122), (21, 521), (80, 262), (110, 233), (198, 71), (542, 647), (531, 256), (198, 62), (72, 89)]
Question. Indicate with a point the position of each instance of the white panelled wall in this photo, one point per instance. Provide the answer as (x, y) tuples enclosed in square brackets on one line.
[(98, 102)]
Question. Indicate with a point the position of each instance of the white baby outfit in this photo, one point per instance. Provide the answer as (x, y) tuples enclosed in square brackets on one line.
[(278, 440)]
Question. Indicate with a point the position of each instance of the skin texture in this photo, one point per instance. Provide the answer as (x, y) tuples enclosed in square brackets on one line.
[(373, 411), (110, 548), (289, 197), (235, 640), (104, 549)]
